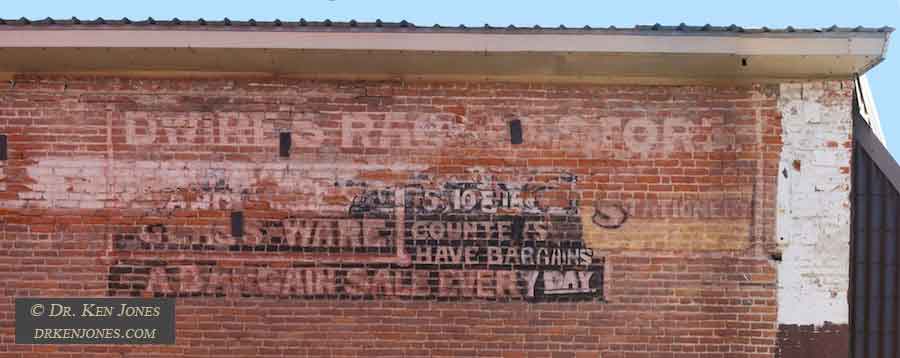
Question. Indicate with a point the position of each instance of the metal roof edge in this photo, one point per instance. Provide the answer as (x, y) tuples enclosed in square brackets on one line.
[(447, 42), (405, 50), (330, 25)]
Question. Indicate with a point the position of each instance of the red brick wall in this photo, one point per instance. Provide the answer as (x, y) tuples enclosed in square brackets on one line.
[(631, 222)]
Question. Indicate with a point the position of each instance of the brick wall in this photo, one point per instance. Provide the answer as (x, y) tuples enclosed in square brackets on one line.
[(630, 222)]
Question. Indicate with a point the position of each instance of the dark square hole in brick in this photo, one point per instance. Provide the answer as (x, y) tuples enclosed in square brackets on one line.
[(3, 155), (515, 131), (237, 224), (284, 144)]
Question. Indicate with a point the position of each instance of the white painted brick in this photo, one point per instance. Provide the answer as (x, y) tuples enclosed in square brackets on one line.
[(66, 172), (144, 164), (91, 204), (65, 203), (31, 196), (813, 276)]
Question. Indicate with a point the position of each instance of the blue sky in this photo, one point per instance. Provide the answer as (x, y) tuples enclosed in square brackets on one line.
[(885, 78)]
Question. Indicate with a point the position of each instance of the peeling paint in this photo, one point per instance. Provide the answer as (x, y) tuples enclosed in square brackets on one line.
[(813, 223), (85, 183)]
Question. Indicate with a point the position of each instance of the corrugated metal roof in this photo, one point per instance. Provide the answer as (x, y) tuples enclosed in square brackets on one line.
[(325, 25)]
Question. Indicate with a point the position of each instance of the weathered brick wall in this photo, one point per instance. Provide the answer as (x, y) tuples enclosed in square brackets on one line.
[(631, 220)]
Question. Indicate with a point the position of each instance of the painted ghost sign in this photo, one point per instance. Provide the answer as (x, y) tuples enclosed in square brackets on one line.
[(214, 279), (461, 240)]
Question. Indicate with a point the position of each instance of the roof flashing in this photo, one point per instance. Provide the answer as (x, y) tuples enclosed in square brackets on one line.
[(306, 25), (403, 50)]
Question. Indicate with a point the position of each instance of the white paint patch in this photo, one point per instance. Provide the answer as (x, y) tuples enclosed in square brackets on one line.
[(100, 183), (813, 220)]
